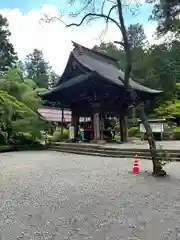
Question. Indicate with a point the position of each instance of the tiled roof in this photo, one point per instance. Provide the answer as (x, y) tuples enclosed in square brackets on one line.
[(95, 63), (106, 67)]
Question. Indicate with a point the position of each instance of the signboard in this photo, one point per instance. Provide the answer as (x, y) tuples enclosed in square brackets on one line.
[(156, 127)]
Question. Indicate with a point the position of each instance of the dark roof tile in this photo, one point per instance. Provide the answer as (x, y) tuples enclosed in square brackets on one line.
[(106, 67), (71, 82)]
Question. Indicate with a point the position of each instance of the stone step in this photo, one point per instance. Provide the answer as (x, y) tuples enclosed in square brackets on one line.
[(108, 155), (98, 151), (111, 153), (110, 149)]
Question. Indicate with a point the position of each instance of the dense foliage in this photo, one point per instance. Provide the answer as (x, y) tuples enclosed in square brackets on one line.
[(166, 13), (20, 84)]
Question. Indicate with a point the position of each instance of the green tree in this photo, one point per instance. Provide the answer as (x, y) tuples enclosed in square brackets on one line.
[(26, 92), (136, 36), (11, 83), (164, 68), (170, 109), (19, 103), (110, 49), (53, 78), (35, 130), (21, 67), (30, 83), (37, 68), (10, 110), (166, 13), (8, 56), (139, 44)]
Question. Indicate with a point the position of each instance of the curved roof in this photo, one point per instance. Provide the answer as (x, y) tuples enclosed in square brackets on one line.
[(93, 64), (106, 67), (71, 82)]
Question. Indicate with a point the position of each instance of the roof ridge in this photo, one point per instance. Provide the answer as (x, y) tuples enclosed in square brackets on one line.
[(94, 51)]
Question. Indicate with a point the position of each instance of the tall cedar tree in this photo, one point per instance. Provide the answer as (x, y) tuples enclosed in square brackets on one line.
[(37, 68), (8, 56)]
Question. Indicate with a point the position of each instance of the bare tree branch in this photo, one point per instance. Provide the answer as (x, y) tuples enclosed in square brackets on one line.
[(106, 20), (82, 9), (118, 42), (102, 7), (90, 16), (103, 33), (110, 11), (112, 1), (46, 18), (94, 15)]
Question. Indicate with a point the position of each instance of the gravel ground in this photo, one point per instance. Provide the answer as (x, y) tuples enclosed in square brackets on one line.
[(54, 196)]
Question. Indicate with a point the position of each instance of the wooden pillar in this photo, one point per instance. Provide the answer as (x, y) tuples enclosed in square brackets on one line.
[(76, 128), (92, 129), (62, 121), (75, 122), (121, 129), (96, 126), (101, 127), (96, 120), (123, 122)]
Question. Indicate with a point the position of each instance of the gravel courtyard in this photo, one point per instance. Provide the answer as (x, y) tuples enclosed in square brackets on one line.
[(54, 196)]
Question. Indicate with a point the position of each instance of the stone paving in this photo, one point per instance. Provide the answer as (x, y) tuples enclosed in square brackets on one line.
[(55, 196)]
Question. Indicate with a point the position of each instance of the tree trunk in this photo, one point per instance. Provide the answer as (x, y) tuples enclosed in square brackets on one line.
[(157, 167)]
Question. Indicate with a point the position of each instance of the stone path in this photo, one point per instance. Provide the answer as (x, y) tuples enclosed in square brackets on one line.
[(54, 196)]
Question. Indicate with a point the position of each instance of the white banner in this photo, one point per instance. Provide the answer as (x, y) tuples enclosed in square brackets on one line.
[(71, 132), (156, 127)]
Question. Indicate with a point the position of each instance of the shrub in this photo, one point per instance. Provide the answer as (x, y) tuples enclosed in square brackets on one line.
[(133, 131), (57, 135), (6, 148), (22, 139), (176, 134), (2, 138)]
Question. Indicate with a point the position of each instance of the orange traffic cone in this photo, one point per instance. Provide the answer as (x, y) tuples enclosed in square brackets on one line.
[(136, 165)]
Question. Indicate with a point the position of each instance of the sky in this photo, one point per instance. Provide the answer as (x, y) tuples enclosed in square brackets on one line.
[(54, 39)]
